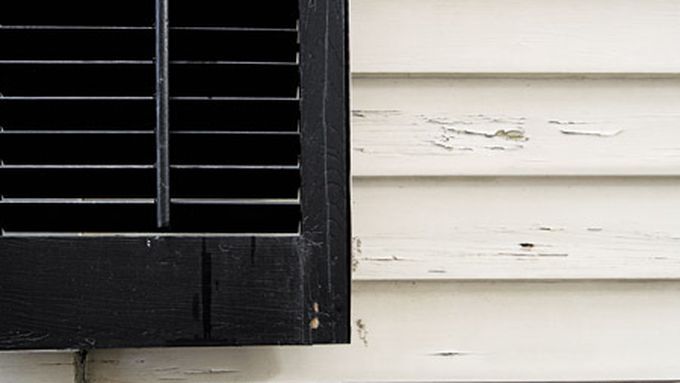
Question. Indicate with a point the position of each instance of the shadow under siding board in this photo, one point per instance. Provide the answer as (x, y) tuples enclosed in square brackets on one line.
[(516, 228), (445, 332), (516, 126), (497, 36)]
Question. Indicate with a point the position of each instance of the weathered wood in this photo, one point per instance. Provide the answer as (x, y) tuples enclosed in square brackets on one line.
[(505, 127), (53, 367), (451, 332), (517, 228), (112, 283), (498, 36), (325, 168), (116, 292)]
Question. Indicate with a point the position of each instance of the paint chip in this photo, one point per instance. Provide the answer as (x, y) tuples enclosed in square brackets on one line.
[(315, 323)]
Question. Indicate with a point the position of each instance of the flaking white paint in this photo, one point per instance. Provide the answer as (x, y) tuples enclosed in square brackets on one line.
[(462, 89)]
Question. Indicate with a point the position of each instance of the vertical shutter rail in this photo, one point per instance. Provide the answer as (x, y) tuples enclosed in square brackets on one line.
[(162, 116)]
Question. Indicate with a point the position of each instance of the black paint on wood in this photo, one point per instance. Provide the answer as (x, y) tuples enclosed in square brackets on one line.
[(162, 115), (325, 167), (163, 290), (103, 293)]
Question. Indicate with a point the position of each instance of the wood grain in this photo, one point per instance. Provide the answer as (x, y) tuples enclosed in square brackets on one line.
[(89, 293), (505, 127), (447, 332), (518, 36)]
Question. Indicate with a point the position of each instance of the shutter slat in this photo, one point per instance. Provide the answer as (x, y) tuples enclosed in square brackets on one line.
[(238, 167), (76, 98), (76, 80), (250, 115), (293, 100), (149, 201), (232, 201), (140, 218), (77, 12), (250, 14), (138, 182), (233, 45), (76, 149), (61, 167), (217, 81), (76, 201), (77, 218), (76, 182), (75, 44), (74, 114), (234, 150)]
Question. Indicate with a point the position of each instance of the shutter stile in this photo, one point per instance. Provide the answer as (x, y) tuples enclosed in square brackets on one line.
[(78, 89)]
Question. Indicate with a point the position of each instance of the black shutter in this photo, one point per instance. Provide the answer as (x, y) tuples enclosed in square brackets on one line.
[(173, 172)]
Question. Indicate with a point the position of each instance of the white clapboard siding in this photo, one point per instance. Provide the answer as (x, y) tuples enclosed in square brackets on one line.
[(50, 367), (516, 228), (446, 332), (515, 36), (531, 126)]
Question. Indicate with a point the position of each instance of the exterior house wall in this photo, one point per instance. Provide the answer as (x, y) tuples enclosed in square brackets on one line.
[(516, 204)]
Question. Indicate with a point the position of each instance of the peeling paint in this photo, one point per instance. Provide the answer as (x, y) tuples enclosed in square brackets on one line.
[(362, 331), (549, 229), (375, 113), (508, 134), (534, 255), (504, 148), (450, 354), (592, 133), (357, 252), (514, 133), (80, 367), (558, 122), (210, 371), (444, 142), (393, 258), (166, 369)]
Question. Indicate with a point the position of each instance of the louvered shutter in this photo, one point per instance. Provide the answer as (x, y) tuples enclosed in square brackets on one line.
[(134, 129), (78, 112)]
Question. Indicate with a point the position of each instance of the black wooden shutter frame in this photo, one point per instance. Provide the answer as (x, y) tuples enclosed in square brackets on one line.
[(166, 291)]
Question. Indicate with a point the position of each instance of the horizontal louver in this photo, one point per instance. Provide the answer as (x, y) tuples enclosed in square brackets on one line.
[(78, 118)]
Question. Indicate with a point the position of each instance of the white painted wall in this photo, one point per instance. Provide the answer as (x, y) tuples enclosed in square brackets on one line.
[(517, 204)]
